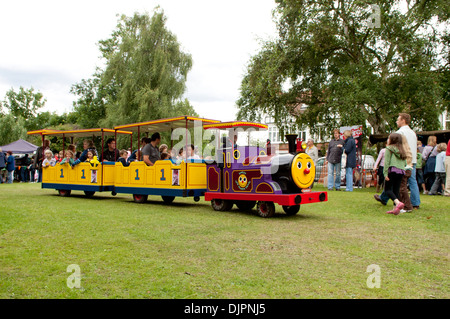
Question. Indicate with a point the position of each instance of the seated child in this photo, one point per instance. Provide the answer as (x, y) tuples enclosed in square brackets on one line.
[(165, 156), (90, 155), (123, 158), (49, 160), (59, 157), (180, 157), (68, 159), (163, 148)]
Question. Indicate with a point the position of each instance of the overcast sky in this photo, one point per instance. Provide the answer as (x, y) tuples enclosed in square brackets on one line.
[(52, 44)]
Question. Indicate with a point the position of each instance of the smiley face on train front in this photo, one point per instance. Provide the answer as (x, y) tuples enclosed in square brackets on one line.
[(303, 170), (242, 181)]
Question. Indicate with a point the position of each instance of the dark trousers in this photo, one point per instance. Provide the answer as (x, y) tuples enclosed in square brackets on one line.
[(404, 196), (392, 186), (439, 180), (380, 176), (24, 174)]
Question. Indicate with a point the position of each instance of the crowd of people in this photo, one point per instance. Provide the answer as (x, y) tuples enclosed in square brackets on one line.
[(404, 167), (30, 169), (404, 163), (333, 160)]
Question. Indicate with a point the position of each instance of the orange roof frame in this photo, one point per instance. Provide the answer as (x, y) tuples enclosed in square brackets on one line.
[(41, 132), (235, 124), (85, 132)]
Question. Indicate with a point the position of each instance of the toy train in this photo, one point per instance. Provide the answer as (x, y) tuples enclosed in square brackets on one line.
[(242, 175)]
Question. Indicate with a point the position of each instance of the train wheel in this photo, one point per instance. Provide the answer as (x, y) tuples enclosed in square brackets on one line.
[(64, 192), (291, 210), (245, 204), (265, 209), (168, 199), (139, 198), (89, 194), (221, 204)]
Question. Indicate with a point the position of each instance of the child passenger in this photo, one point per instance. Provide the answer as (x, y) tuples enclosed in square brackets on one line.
[(90, 155), (163, 148), (439, 169), (123, 158), (68, 159), (165, 156), (59, 157), (49, 160), (394, 169)]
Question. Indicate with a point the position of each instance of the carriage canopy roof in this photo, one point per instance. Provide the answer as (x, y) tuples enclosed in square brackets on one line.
[(235, 124), (80, 133), (165, 124), (41, 132)]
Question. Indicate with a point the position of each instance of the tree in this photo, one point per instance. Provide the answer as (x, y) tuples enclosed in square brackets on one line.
[(90, 108), (351, 62), (11, 129), (144, 77), (19, 114), (23, 105)]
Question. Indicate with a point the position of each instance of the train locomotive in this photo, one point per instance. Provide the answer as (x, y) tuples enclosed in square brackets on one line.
[(248, 176), (245, 176)]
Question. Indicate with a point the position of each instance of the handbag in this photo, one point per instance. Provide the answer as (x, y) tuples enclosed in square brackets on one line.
[(430, 165)]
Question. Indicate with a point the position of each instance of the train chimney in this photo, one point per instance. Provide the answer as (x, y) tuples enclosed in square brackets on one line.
[(292, 139)]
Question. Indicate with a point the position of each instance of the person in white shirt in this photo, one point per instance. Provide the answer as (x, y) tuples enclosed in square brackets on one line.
[(403, 122)]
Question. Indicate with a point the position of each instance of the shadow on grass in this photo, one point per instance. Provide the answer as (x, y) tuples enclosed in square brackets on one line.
[(162, 204), (276, 216), (157, 201), (83, 196)]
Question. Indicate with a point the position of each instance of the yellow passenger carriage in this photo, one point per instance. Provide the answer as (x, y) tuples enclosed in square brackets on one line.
[(164, 178), (88, 177)]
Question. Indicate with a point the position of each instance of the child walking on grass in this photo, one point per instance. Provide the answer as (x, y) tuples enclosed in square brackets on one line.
[(394, 169), (439, 169)]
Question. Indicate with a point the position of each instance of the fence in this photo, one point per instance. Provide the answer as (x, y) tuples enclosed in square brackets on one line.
[(362, 177)]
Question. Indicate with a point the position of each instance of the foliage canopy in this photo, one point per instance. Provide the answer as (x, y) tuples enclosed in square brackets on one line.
[(144, 75), (350, 62)]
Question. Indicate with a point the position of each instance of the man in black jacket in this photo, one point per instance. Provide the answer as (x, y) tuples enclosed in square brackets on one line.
[(334, 157), (350, 151)]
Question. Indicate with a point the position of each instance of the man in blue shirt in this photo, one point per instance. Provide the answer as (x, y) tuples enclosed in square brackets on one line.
[(10, 166)]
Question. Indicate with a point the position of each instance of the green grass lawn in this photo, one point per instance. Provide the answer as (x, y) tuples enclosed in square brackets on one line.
[(187, 250)]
